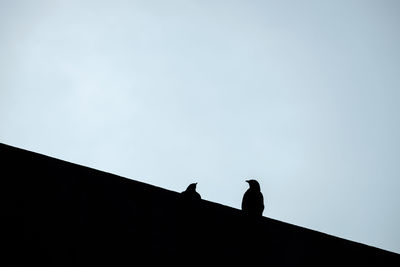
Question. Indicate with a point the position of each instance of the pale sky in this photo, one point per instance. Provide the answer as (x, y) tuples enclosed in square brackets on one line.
[(303, 96)]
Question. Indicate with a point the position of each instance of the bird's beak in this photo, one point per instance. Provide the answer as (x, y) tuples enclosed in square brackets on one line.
[(247, 181)]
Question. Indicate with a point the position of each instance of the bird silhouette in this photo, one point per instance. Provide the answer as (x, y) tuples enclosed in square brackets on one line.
[(190, 192), (253, 200)]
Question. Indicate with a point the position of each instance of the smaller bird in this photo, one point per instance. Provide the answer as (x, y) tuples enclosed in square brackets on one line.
[(190, 192), (253, 200)]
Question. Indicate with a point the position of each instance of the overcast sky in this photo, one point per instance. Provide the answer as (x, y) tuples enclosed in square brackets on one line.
[(303, 96)]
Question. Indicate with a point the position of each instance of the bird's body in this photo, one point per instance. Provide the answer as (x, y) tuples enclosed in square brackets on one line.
[(253, 200), (190, 192)]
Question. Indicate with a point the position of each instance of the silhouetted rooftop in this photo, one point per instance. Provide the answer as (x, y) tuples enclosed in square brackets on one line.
[(56, 213)]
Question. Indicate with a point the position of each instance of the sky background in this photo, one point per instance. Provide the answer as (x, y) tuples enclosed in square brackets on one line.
[(303, 96)]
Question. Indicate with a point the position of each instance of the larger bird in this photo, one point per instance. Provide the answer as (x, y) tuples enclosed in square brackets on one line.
[(253, 200)]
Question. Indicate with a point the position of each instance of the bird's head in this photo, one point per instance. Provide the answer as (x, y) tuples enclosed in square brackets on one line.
[(192, 187), (253, 184)]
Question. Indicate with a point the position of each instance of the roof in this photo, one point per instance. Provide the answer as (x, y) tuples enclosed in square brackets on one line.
[(59, 213)]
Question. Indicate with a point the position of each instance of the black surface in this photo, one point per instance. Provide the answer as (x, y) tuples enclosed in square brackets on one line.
[(55, 213)]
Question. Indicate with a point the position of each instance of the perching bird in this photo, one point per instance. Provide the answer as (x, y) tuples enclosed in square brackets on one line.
[(190, 192), (253, 200)]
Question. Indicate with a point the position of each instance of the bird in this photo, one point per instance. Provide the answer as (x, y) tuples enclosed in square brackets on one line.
[(190, 192), (253, 200)]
